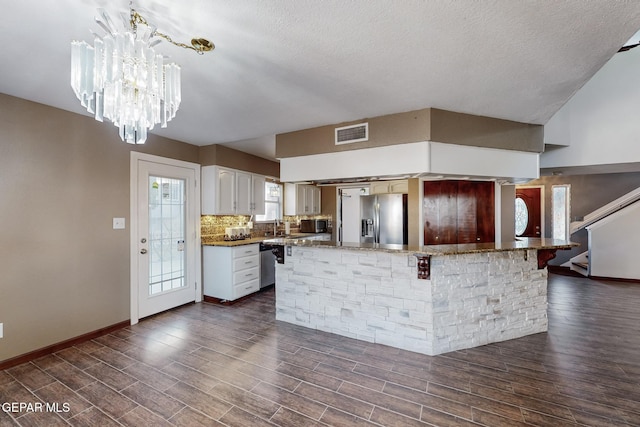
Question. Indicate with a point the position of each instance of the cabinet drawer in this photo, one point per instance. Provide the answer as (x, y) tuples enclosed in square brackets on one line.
[(246, 262), (246, 288), (246, 275), (246, 250)]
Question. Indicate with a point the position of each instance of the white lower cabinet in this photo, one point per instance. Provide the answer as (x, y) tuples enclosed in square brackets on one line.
[(230, 273)]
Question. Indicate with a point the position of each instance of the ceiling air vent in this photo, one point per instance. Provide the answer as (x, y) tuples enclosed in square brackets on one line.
[(352, 133)]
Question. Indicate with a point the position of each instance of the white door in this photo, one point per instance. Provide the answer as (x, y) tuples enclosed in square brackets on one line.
[(165, 236), (350, 213)]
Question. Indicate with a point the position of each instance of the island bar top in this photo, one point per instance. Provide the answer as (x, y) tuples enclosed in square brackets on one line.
[(521, 243)]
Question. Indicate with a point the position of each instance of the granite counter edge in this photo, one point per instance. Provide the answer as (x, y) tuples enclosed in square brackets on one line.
[(430, 250)]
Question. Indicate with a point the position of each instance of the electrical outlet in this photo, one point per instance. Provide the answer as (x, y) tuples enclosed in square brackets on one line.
[(1, 330), (411, 260)]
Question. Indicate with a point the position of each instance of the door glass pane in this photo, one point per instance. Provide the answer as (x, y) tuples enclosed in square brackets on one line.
[(559, 211), (166, 234), (522, 216)]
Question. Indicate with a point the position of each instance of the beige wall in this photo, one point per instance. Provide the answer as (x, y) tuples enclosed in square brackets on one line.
[(429, 124), (392, 129), (507, 212), (63, 177), (225, 156), (414, 204), (478, 131), (329, 202)]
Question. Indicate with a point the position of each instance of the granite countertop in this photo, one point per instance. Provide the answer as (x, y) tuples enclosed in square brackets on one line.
[(252, 240), (232, 243), (521, 243)]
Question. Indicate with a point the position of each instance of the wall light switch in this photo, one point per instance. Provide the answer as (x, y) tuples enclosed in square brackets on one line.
[(118, 223), (1, 330)]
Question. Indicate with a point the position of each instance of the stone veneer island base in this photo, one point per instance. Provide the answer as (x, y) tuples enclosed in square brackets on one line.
[(469, 295)]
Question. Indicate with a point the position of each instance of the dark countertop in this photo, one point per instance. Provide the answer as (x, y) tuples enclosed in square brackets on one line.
[(522, 243)]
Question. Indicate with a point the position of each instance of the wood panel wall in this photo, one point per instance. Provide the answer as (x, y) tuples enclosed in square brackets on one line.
[(458, 212)]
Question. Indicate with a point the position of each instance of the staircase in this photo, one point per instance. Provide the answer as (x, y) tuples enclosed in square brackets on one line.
[(606, 210), (579, 264), (614, 236)]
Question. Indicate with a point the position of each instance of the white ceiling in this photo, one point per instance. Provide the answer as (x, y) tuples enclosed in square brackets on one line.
[(285, 65)]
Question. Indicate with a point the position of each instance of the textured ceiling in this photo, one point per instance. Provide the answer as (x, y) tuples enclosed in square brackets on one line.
[(286, 65)]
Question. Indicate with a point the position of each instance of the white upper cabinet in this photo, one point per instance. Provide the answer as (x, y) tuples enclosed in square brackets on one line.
[(258, 182), (315, 200), (244, 187), (383, 187), (301, 199), (227, 191), (224, 191)]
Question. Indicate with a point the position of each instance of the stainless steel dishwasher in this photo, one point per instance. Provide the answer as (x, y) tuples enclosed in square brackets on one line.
[(267, 266)]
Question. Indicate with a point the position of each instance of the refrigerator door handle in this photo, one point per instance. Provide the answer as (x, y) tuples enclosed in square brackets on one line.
[(376, 225)]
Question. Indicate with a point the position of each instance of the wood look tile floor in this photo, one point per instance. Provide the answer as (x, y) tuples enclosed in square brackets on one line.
[(210, 365)]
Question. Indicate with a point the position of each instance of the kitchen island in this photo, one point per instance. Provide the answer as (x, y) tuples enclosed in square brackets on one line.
[(429, 299)]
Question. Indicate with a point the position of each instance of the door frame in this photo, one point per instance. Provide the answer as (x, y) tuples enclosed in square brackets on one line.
[(195, 249), (542, 207)]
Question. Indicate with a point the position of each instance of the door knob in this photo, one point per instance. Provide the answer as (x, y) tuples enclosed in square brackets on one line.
[(143, 251), (143, 240)]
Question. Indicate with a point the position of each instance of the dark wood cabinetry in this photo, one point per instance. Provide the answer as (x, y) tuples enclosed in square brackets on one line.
[(458, 212)]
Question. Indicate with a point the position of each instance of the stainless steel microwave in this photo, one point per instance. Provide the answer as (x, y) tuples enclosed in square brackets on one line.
[(313, 226)]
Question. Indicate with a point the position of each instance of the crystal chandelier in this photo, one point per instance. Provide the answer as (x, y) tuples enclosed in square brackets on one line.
[(123, 79)]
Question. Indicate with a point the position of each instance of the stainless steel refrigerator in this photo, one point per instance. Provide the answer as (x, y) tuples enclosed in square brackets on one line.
[(383, 219)]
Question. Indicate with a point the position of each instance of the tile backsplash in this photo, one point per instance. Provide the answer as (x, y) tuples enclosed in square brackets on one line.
[(212, 227)]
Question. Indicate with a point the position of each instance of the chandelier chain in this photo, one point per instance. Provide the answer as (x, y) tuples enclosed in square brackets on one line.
[(198, 45)]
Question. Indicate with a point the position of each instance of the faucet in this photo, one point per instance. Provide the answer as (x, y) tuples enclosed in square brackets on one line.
[(275, 227)]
